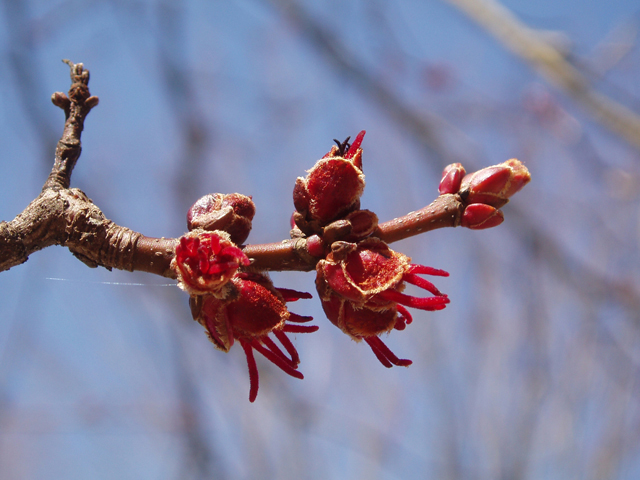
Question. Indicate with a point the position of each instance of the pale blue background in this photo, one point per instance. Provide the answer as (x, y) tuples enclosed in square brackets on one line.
[(533, 371)]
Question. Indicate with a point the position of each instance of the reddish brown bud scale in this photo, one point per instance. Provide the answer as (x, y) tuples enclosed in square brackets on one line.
[(479, 216), (230, 212)]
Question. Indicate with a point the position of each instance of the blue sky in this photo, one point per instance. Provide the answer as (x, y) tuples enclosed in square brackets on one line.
[(531, 372)]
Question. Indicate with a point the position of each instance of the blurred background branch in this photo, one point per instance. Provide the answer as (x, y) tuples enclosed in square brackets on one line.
[(552, 64)]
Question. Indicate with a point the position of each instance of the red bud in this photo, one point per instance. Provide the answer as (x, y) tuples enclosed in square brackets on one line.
[(496, 184), (230, 212), (451, 178), (479, 216)]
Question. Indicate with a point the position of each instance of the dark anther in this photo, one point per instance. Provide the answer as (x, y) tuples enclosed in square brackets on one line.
[(343, 146)]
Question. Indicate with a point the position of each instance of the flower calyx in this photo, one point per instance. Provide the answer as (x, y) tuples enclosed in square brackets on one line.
[(360, 286), (251, 311)]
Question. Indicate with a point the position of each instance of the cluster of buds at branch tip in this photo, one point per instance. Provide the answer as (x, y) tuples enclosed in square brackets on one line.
[(229, 303), (485, 191)]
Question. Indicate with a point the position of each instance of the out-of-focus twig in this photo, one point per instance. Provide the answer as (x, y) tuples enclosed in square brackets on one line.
[(426, 127), (531, 46)]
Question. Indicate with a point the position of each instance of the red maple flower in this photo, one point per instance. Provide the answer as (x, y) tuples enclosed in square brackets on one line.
[(252, 310), (205, 262), (360, 286)]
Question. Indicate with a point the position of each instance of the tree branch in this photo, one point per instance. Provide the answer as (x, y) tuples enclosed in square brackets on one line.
[(66, 216)]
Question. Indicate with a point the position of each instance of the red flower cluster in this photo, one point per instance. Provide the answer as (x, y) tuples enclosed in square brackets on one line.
[(360, 286), (230, 304), (252, 309), (206, 261), (360, 280), (332, 188)]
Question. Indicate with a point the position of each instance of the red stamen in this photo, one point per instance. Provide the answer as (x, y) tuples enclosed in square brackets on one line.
[(270, 344), (384, 350), (379, 355), (300, 328), (400, 325), (286, 343), (276, 360), (355, 146), (290, 295), (423, 269), (294, 317), (405, 314), (253, 371), (429, 303), (421, 282)]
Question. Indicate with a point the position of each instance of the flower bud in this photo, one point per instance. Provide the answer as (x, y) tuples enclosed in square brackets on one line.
[(451, 178), (331, 189), (496, 184), (479, 216), (360, 286), (230, 212), (204, 262), (252, 310)]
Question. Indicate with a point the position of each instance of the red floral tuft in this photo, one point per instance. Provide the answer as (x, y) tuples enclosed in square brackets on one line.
[(360, 286), (205, 262), (253, 309)]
